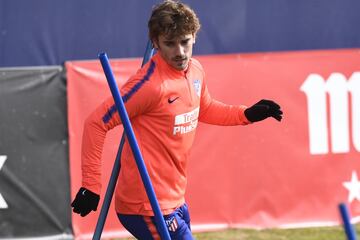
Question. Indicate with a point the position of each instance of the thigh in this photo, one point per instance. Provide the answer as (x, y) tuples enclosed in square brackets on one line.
[(141, 227), (184, 212), (144, 227), (178, 224)]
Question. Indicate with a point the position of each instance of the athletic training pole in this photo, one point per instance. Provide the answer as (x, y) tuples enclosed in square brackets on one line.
[(149, 51), (116, 168), (163, 232), (345, 215)]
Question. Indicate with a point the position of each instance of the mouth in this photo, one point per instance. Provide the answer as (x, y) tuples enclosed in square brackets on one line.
[(180, 60), (179, 63)]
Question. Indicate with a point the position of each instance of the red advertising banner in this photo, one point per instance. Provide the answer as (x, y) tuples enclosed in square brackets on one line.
[(267, 174)]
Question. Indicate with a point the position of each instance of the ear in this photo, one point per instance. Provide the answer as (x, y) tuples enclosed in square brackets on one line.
[(155, 43)]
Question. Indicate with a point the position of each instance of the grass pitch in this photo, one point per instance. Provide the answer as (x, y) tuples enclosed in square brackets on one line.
[(320, 233), (323, 233)]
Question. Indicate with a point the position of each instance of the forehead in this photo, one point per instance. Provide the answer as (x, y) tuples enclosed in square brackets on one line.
[(175, 38)]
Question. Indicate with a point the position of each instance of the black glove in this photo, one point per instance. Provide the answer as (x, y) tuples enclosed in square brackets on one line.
[(85, 201), (262, 110)]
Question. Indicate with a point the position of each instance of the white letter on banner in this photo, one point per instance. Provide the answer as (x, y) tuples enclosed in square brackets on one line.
[(336, 86), (338, 89), (316, 98), (3, 204), (354, 88)]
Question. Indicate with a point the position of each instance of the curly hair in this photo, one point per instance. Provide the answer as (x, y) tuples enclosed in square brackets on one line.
[(172, 19)]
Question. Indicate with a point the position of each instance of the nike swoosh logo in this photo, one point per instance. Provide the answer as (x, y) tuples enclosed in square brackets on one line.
[(172, 100)]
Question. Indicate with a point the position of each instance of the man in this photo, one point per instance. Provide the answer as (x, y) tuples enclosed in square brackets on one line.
[(165, 100)]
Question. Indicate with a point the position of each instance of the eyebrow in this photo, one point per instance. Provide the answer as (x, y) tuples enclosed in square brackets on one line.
[(172, 40)]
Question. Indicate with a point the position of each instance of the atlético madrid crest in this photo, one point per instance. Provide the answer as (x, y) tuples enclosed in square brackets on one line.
[(197, 87)]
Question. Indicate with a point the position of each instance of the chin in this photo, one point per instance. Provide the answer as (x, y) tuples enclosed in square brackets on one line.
[(181, 68)]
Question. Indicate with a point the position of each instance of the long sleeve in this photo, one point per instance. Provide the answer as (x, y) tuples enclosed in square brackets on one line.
[(218, 113), (94, 133)]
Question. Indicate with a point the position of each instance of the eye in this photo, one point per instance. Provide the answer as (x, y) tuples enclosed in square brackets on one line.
[(185, 41), (169, 43)]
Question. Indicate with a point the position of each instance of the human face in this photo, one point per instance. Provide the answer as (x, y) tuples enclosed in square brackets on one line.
[(176, 51)]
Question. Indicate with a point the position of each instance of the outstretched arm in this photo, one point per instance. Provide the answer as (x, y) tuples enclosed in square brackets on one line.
[(217, 113)]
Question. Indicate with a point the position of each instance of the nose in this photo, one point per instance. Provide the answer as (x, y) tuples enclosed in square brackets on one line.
[(180, 50)]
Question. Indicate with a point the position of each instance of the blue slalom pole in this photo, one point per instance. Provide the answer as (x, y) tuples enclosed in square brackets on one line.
[(163, 232), (345, 215), (149, 51)]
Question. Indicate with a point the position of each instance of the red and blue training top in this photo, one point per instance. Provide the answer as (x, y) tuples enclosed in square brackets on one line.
[(164, 106)]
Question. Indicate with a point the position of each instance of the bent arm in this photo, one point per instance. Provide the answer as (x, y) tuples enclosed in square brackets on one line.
[(96, 126), (138, 100)]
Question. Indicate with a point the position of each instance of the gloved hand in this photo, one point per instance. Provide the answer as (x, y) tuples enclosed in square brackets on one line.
[(262, 110), (85, 201)]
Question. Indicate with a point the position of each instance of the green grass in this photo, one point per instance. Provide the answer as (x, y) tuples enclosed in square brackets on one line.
[(324, 233), (321, 233)]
